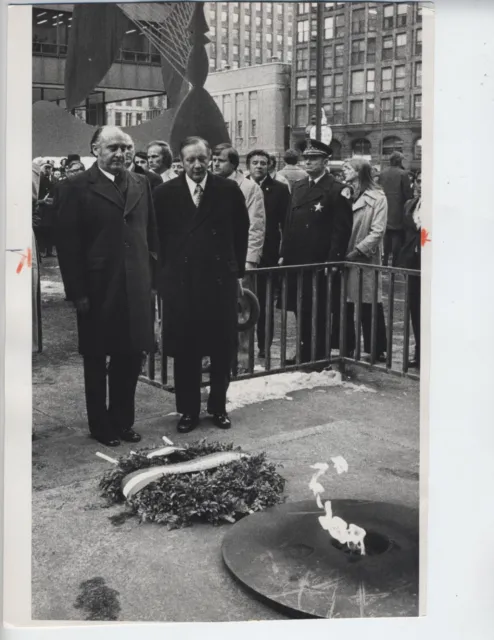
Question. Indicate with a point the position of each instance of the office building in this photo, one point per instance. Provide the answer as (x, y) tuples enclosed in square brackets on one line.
[(371, 82)]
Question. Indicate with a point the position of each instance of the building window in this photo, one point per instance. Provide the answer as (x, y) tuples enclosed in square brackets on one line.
[(327, 86), (212, 31), (340, 26), (418, 74), (370, 110), (302, 7), (247, 20), (258, 37), (386, 79), (400, 77), (358, 52), (128, 119), (328, 57), (337, 118), (301, 115), (370, 84), (118, 118), (312, 87), (227, 111), (247, 53), (312, 112), (418, 12), (240, 132), (328, 28), (338, 85), (339, 55), (301, 62), (372, 21), (336, 145), (303, 31), (301, 88), (128, 103), (356, 111), (358, 21), (417, 107), (371, 50), (258, 21), (401, 15), (269, 53), (253, 127), (313, 58), (386, 109), (224, 16), (361, 147), (235, 18), (269, 22), (138, 118), (388, 16), (387, 53), (392, 144), (418, 42), (357, 82), (417, 150), (236, 35), (269, 7), (401, 45), (269, 38), (258, 56), (279, 40), (398, 108), (328, 110), (224, 33)]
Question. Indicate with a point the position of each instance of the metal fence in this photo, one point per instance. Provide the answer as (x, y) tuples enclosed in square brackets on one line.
[(310, 322)]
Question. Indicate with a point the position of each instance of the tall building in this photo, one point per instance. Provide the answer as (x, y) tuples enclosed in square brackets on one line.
[(255, 103), (243, 34), (371, 82)]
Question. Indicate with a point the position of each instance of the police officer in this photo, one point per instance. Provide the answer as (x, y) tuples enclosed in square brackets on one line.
[(318, 230)]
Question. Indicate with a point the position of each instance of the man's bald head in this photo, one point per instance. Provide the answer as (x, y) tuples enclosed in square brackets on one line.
[(110, 145)]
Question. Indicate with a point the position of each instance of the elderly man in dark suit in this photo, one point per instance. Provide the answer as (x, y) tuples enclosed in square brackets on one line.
[(276, 204), (108, 250), (318, 229), (203, 227)]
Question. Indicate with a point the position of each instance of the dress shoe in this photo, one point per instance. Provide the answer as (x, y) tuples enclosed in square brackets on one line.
[(130, 436), (221, 420), (187, 423), (290, 361), (414, 364), (107, 440), (262, 353)]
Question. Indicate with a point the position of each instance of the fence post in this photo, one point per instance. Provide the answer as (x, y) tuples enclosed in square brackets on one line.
[(343, 317)]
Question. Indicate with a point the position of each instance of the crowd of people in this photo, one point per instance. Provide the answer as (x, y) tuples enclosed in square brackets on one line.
[(196, 227)]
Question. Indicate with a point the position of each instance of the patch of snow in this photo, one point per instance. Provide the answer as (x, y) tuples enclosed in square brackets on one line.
[(242, 393), (50, 288)]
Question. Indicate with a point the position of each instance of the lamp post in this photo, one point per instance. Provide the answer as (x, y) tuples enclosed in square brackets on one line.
[(381, 123)]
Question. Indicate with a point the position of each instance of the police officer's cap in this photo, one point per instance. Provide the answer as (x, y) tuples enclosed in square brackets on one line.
[(315, 148)]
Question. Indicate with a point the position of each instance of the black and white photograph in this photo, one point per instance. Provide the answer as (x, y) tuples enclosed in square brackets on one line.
[(228, 228)]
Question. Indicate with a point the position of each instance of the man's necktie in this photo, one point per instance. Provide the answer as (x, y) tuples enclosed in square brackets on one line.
[(311, 183), (197, 195), (120, 183)]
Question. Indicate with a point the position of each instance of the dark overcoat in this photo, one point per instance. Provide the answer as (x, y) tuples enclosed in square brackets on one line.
[(108, 249), (276, 205), (318, 229), (395, 182), (153, 178), (203, 252), (410, 253)]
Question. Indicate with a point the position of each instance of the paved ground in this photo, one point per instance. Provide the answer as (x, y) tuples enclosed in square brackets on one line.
[(165, 575)]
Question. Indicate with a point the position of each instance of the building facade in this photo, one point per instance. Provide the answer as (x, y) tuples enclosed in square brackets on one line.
[(255, 103), (371, 82), (243, 34)]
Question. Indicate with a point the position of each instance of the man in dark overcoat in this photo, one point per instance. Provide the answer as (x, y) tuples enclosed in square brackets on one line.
[(276, 205), (203, 227), (108, 251), (318, 230), (131, 165)]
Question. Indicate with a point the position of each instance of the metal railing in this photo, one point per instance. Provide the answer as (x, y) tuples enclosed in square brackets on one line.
[(60, 51), (319, 294)]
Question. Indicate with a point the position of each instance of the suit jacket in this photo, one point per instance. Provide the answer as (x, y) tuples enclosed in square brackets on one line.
[(276, 205), (319, 224), (257, 215), (396, 184), (153, 178), (410, 257), (203, 252), (108, 247)]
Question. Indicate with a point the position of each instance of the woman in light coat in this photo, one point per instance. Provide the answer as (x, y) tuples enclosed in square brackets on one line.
[(370, 210)]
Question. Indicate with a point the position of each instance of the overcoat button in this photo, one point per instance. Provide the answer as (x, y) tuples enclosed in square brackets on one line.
[(213, 231), (217, 257), (186, 259)]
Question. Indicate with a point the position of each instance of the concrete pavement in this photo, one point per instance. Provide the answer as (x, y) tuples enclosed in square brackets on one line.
[(163, 575)]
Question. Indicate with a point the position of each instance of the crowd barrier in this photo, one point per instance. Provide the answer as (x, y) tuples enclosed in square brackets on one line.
[(283, 345)]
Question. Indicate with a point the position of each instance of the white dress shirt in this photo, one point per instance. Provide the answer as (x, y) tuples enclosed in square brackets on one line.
[(192, 185), (110, 176)]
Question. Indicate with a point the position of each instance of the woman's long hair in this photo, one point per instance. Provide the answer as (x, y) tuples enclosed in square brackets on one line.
[(365, 177)]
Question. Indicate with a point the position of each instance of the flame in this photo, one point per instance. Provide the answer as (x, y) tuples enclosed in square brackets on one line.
[(349, 534)]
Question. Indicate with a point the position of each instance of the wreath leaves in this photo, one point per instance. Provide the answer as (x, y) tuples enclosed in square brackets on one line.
[(225, 493)]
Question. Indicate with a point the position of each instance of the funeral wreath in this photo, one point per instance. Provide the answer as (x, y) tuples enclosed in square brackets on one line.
[(199, 482)]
